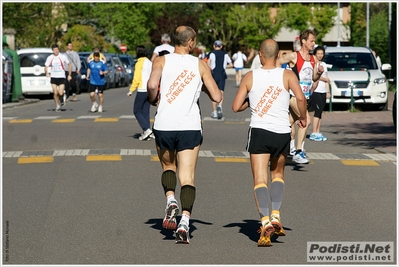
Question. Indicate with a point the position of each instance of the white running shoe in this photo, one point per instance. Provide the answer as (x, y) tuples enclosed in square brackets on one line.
[(182, 233), (94, 107), (58, 108), (300, 158), (214, 114), (171, 211), (145, 135), (100, 108)]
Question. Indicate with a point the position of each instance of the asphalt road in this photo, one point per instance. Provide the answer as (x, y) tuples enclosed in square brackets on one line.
[(98, 199)]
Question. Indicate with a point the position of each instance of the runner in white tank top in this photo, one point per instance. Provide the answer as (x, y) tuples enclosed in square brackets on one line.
[(269, 133), (177, 125), (180, 90), (269, 107)]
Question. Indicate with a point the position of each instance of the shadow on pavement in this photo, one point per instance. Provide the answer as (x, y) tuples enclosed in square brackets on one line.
[(169, 234), (250, 228)]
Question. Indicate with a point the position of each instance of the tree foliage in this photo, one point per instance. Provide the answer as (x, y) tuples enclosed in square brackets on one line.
[(36, 24), (309, 16), (107, 24)]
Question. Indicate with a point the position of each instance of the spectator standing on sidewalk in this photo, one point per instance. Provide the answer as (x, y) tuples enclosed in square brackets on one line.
[(165, 39), (70, 86), (308, 70), (177, 124), (218, 61), (96, 74), (266, 92), (58, 63), (141, 107), (239, 59), (320, 92)]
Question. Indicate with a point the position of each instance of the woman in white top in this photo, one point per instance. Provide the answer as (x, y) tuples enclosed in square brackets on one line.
[(320, 92)]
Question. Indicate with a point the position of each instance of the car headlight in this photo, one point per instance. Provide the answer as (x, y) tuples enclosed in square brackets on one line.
[(380, 80)]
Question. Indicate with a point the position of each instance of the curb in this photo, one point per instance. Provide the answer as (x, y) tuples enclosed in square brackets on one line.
[(20, 103)]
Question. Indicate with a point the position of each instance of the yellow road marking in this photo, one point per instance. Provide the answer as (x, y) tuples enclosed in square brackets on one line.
[(41, 159), (360, 162), (231, 160), (21, 121), (106, 120), (104, 158), (154, 158), (63, 120)]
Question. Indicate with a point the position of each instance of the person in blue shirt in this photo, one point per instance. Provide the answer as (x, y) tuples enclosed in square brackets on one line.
[(96, 74)]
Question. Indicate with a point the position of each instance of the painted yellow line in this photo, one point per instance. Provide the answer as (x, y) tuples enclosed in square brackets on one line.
[(104, 158), (106, 120), (63, 120), (154, 158), (21, 121), (360, 163), (43, 159), (231, 160)]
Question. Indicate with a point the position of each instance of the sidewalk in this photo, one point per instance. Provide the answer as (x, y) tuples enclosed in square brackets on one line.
[(371, 128)]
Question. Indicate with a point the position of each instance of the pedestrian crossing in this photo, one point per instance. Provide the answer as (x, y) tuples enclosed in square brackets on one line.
[(219, 156)]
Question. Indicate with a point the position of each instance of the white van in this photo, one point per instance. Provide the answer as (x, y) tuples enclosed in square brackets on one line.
[(33, 77), (354, 70)]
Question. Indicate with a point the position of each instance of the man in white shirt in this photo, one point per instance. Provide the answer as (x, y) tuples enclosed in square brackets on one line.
[(165, 39), (58, 63)]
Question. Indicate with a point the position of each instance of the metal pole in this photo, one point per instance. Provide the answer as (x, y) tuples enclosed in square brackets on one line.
[(390, 37), (338, 25), (351, 86)]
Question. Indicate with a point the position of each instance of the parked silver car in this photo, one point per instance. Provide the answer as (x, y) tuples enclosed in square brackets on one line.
[(354, 69)]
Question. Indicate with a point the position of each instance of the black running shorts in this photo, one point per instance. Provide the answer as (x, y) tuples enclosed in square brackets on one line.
[(100, 88), (261, 141), (177, 140), (57, 81)]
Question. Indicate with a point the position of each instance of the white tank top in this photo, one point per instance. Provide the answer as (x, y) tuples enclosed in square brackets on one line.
[(180, 89), (269, 101), (321, 87)]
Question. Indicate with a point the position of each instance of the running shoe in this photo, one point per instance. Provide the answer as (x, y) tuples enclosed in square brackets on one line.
[(58, 108), (74, 99), (300, 158), (182, 233), (171, 211), (315, 137), (94, 107), (278, 227), (219, 112), (100, 108), (214, 114), (145, 135), (265, 234), (323, 137), (151, 136), (292, 151), (62, 100)]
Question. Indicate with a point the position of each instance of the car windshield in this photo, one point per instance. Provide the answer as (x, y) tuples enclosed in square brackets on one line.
[(125, 61), (33, 59), (351, 61)]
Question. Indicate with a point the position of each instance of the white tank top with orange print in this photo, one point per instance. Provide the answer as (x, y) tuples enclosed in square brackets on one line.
[(180, 89), (269, 101)]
